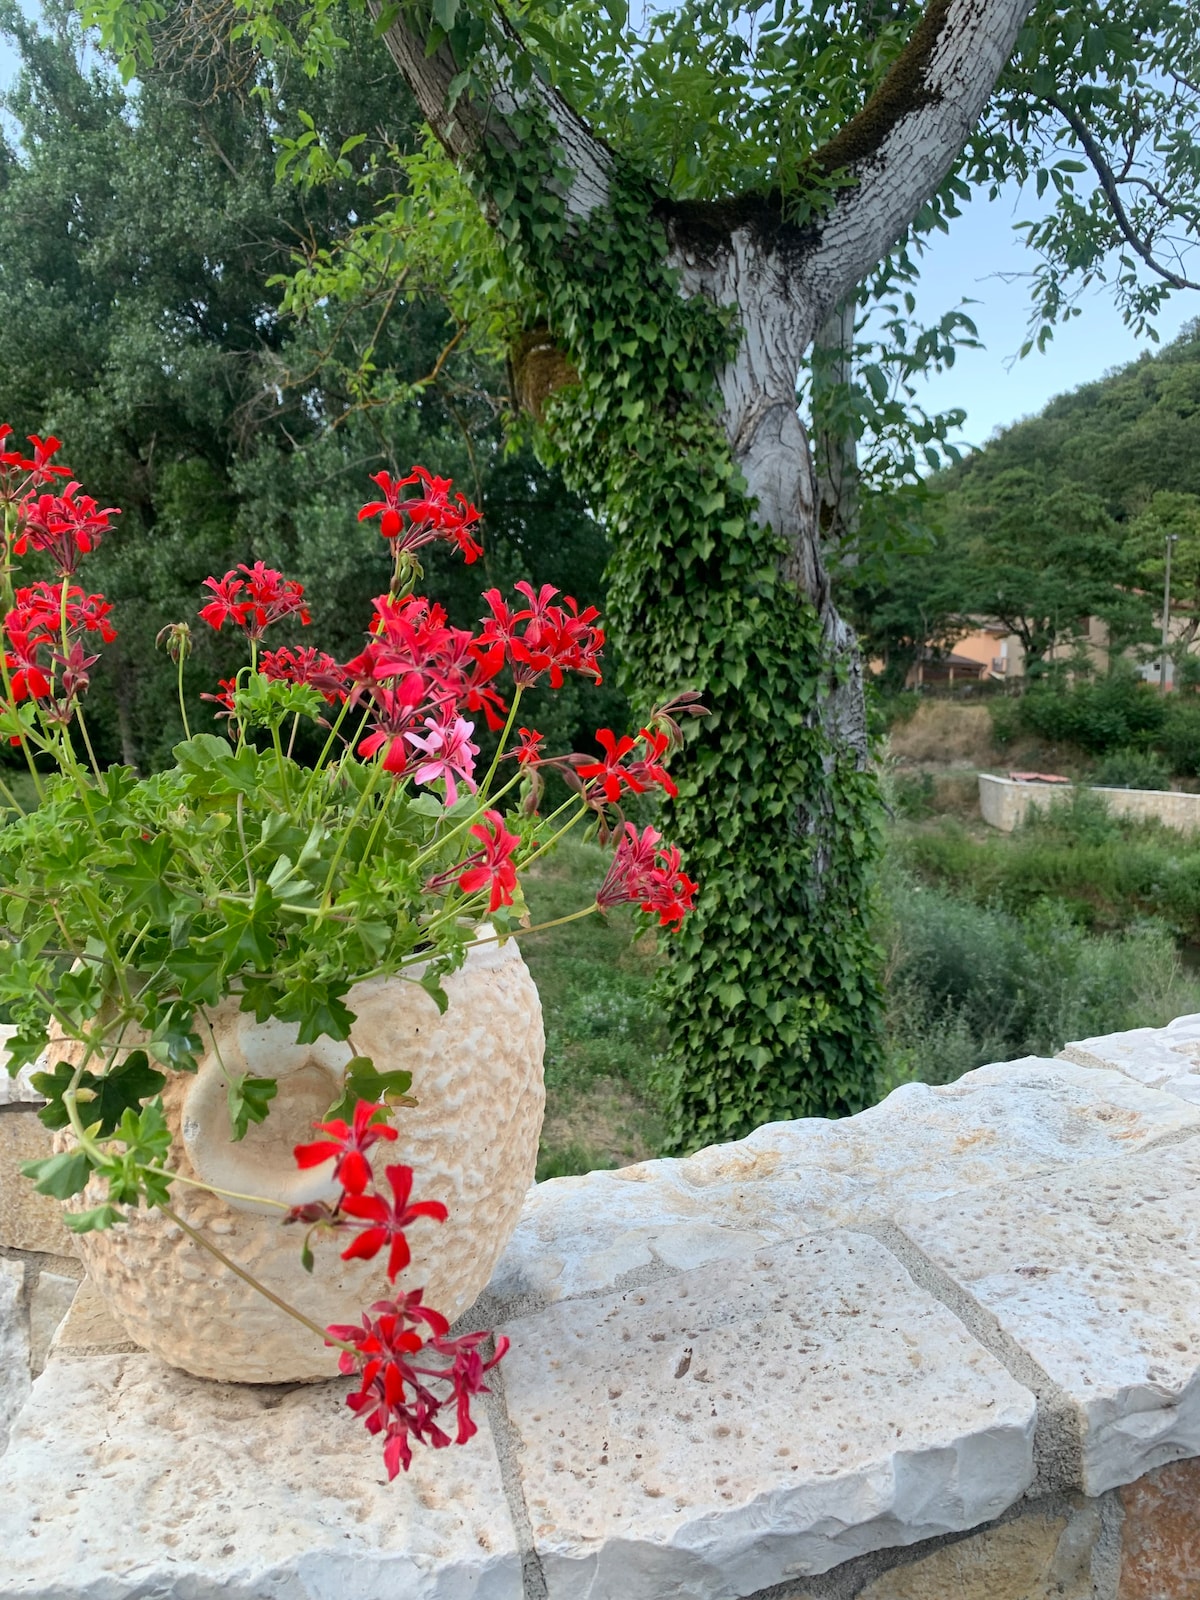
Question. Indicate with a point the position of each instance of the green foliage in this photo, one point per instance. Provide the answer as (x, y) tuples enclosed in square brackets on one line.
[(1117, 712), (1132, 769), (770, 997), (974, 983), (1107, 873)]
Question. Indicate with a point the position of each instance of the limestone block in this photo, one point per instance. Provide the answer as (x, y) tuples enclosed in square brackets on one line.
[(1164, 1058), (922, 1144), (1160, 1535), (723, 1432), (126, 1478), (14, 1345), (1095, 1272), (49, 1302), (1040, 1556), (28, 1220), (89, 1328)]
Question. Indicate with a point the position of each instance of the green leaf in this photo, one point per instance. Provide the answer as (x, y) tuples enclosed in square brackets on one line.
[(61, 1176), (93, 1221), (108, 1095), (431, 982), (143, 880), (249, 1101), (363, 1082)]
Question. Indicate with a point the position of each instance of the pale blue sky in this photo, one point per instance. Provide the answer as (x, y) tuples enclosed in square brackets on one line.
[(967, 263)]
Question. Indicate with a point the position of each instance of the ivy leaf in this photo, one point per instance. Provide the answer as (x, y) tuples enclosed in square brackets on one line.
[(61, 1176), (249, 1101), (198, 974), (248, 934), (173, 1042), (363, 1082), (109, 1095)]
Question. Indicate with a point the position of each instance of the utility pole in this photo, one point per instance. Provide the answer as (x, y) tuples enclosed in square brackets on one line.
[(1166, 627)]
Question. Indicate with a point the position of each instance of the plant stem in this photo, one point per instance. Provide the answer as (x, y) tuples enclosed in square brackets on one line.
[(253, 1282), (187, 731), (496, 759)]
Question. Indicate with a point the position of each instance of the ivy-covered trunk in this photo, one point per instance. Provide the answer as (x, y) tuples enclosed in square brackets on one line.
[(683, 427)]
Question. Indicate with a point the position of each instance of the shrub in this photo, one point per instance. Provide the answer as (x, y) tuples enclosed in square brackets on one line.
[(1133, 769), (1180, 737), (970, 984), (1118, 712)]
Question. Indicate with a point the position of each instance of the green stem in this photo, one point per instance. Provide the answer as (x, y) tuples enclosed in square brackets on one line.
[(187, 731), (363, 800), (498, 757), (211, 1188), (440, 843), (248, 1278)]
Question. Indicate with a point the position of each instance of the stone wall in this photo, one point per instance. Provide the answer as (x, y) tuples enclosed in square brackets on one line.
[(948, 1349), (1005, 803)]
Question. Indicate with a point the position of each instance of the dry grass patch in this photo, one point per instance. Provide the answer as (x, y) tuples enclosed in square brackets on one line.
[(945, 733)]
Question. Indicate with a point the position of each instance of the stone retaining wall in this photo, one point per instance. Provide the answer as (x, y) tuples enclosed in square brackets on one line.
[(1005, 803), (948, 1349)]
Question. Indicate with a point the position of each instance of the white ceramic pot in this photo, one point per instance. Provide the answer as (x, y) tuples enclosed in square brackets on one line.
[(472, 1141)]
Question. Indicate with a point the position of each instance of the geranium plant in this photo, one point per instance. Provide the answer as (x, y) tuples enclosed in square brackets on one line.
[(130, 907)]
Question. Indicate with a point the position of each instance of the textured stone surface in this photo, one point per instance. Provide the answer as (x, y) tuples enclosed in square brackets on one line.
[(1163, 1058), (150, 1483), (89, 1328), (28, 1220), (581, 1235), (14, 1345), (1041, 1556), (1160, 1535), (472, 1141), (727, 1431), (49, 1301), (1093, 1272)]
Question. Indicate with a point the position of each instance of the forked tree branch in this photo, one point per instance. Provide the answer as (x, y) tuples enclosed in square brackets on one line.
[(465, 127), (895, 153), (1112, 193)]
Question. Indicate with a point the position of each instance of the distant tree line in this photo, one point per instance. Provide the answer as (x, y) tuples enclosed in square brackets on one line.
[(1060, 518)]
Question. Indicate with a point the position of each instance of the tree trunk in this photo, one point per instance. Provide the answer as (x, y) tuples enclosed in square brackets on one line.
[(769, 442), (836, 448)]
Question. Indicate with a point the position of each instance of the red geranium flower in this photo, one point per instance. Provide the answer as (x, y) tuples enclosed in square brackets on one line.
[(388, 1219), (493, 864), (425, 516), (348, 1145), (254, 601), (643, 873)]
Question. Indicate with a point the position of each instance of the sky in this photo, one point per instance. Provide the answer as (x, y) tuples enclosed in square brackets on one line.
[(995, 389), (968, 264)]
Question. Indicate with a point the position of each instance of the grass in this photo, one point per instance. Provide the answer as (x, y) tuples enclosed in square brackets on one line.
[(970, 983), (602, 1033), (1109, 873)]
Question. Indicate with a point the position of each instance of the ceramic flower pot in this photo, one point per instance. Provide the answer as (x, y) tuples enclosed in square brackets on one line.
[(472, 1141)]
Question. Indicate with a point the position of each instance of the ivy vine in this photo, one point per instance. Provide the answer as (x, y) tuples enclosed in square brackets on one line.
[(771, 993)]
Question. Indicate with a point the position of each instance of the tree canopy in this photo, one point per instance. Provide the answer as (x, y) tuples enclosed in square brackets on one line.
[(1061, 517)]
